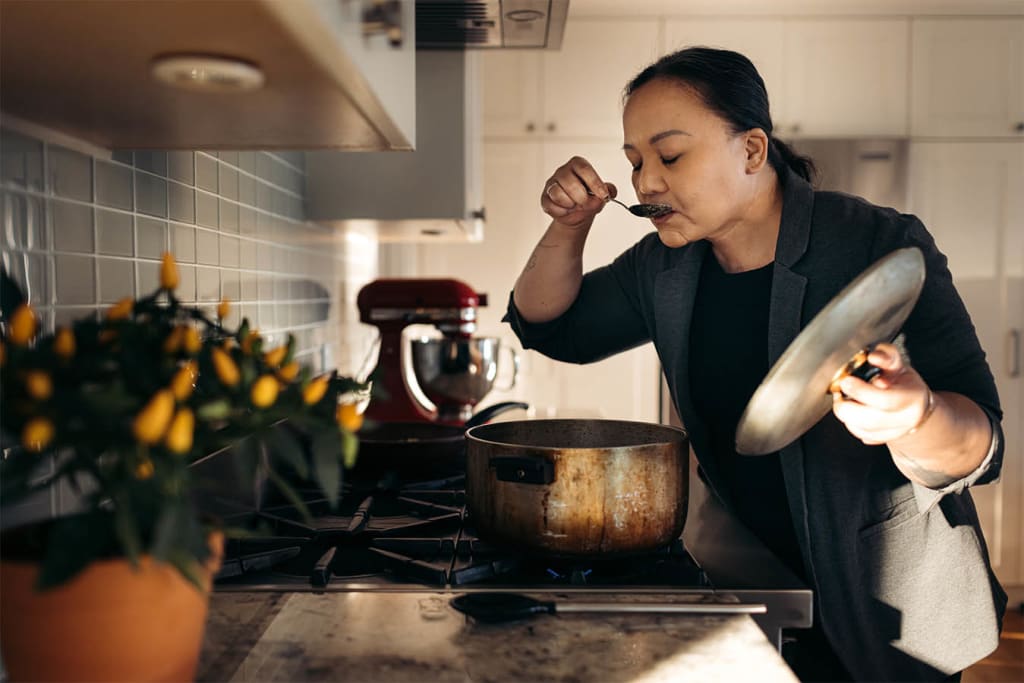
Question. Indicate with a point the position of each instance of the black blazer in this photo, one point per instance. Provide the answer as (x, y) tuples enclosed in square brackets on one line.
[(901, 572)]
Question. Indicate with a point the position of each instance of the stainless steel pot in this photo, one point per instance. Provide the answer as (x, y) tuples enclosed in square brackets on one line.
[(578, 487)]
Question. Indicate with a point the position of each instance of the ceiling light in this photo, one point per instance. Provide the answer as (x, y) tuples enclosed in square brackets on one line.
[(207, 73)]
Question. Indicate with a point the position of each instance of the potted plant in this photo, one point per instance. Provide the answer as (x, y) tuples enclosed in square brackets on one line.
[(123, 406)]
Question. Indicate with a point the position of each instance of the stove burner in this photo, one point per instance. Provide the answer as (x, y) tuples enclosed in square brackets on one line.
[(419, 534)]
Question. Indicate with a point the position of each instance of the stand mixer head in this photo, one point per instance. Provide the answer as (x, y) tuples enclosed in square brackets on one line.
[(454, 372)]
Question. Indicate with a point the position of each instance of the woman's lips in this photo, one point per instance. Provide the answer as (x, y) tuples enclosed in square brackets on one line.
[(661, 219)]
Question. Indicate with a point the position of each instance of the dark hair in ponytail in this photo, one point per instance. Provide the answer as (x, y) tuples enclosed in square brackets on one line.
[(731, 87)]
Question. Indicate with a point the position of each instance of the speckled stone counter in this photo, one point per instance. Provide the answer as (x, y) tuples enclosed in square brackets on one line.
[(418, 636)]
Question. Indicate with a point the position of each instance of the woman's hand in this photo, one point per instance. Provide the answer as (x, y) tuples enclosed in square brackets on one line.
[(574, 194), (889, 407)]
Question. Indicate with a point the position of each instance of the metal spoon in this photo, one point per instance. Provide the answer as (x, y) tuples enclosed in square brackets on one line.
[(642, 210), (498, 607)]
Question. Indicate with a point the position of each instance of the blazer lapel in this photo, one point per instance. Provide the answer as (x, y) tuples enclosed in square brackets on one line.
[(785, 320), (674, 293)]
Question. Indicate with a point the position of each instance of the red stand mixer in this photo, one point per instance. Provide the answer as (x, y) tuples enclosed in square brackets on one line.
[(454, 371)]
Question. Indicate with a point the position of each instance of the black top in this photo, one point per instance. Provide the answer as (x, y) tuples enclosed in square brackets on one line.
[(728, 360)]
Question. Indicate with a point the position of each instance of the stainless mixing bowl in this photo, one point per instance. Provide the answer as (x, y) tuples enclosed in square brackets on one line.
[(457, 373)]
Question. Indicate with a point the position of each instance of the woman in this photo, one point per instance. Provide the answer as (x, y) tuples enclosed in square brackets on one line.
[(870, 506)]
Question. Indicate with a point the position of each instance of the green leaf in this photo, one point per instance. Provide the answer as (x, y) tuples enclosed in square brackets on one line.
[(189, 568), (285, 447), (349, 449), (326, 465), (11, 295), (291, 494), (246, 460), (127, 532), (72, 544), (168, 531)]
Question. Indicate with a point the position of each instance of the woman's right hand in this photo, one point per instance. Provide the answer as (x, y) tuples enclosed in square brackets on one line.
[(574, 194)]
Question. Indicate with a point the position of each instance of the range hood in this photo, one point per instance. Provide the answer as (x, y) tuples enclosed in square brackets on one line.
[(447, 24), (432, 194)]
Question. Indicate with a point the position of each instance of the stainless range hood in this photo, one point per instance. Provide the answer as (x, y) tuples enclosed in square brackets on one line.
[(448, 24), (432, 194)]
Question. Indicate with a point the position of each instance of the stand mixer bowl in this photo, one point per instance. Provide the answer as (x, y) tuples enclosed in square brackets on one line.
[(455, 373)]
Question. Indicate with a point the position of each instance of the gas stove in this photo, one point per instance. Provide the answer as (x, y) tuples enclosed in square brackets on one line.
[(390, 534), (416, 536)]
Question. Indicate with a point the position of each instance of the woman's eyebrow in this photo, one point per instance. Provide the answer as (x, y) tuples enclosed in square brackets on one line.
[(659, 136)]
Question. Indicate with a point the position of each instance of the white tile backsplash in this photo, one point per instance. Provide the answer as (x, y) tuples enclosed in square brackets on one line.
[(80, 232)]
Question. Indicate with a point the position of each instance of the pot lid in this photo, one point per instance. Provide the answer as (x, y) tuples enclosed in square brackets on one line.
[(795, 394)]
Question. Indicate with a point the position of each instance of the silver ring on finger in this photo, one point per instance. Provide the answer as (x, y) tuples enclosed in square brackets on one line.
[(547, 190)]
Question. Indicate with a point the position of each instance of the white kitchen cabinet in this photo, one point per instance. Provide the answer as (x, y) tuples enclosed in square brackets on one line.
[(760, 40), (573, 92), (825, 78), (968, 77), (968, 195)]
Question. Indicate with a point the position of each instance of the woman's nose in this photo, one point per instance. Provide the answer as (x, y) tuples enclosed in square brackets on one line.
[(648, 184)]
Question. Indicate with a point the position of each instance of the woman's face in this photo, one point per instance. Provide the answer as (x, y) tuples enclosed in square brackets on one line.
[(684, 155)]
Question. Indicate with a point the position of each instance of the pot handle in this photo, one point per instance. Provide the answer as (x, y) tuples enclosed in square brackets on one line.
[(492, 411), (523, 469)]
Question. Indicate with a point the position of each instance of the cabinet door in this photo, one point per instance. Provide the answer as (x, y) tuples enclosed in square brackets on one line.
[(760, 40), (968, 77), (583, 82), (968, 196), (624, 386), (846, 77), (511, 92)]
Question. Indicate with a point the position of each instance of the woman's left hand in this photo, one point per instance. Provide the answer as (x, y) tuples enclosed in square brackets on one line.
[(888, 407)]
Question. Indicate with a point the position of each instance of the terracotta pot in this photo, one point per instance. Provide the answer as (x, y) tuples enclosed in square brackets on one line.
[(109, 623)]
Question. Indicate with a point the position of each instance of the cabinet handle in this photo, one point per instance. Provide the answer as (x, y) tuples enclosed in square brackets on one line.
[(1013, 353), (530, 127), (551, 127), (1019, 127)]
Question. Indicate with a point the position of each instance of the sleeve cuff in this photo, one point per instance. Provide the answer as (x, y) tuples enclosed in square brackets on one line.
[(927, 498)]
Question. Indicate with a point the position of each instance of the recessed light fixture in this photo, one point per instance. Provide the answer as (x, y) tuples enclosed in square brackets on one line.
[(524, 15), (207, 73)]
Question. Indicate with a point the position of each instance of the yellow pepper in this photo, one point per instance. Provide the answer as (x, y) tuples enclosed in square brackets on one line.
[(64, 343), (151, 422), (144, 470), (223, 308), (121, 310), (264, 391), (184, 380), (190, 340), (168, 272), (37, 434), (224, 366), (315, 390), (23, 325), (273, 358), (249, 340), (179, 435), (173, 342), (349, 417), (38, 384), (288, 372)]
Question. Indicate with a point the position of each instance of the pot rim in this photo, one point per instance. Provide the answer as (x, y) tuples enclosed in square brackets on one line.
[(474, 433)]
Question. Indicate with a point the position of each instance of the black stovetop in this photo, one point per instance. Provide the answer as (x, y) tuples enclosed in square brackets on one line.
[(413, 536)]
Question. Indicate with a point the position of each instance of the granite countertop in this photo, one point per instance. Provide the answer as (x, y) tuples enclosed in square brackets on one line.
[(418, 636)]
